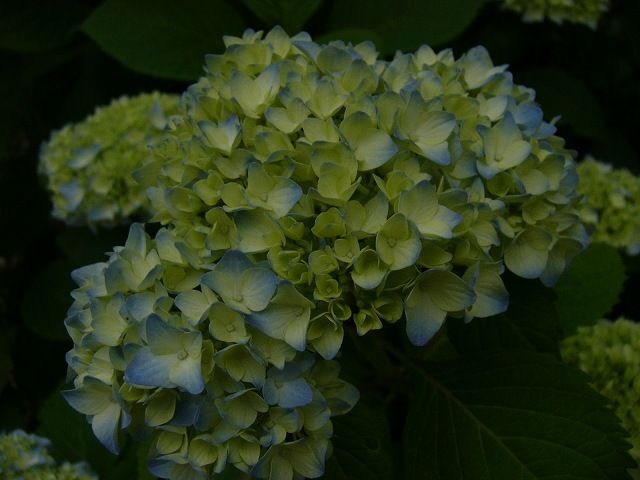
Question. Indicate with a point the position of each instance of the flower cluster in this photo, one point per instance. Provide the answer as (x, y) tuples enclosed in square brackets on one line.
[(611, 205), (610, 353), (164, 344), (89, 165), (374, 188), (26, 457), (576, 11), (302, 187)]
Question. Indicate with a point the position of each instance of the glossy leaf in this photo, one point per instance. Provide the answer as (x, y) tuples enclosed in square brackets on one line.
[(511, 415), (163, 38)]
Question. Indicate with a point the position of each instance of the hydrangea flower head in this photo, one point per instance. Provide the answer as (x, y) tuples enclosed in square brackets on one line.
[(610, 353), (576, 11), (26, 457), (166, 345), (305, 189), (376, 189), (611, 205), (89, 165)]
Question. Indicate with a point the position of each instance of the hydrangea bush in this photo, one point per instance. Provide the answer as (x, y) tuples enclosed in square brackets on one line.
[(26, 457), (559, 11), (611, 205), (88, 165), (610, 353), (303, 188)]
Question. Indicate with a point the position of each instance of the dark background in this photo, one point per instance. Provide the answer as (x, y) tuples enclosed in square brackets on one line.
[(55, 69)]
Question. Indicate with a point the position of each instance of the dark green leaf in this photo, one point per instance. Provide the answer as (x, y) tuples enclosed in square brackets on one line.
[(72, 440), (360, 446), (530, 323), (290, 14), (162, 37), (34, 26), (82, 246), (406, 24), (353, 35), (71, 435), (562, 94), (45, 304), (590, 288), (511, 415)]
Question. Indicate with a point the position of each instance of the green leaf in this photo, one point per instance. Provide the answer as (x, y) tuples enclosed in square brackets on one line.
[(567, 96), (82, 246), (72, 440), (290, 14), (530, 323), (361, 446), (511, 415), (71, 435), (162, 37), (142, 466), (590, 287), (32, 26), (353, 35), (45, 304), (406, 24)]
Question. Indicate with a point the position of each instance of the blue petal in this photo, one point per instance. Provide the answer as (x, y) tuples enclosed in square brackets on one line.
[(295, 393), (148, 370), (105, 427)]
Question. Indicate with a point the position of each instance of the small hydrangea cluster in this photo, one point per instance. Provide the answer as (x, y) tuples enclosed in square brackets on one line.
[(375, 188), (88, 166), (164, 341), (610, 353), (575, 11), (611, 205), (26, 457)]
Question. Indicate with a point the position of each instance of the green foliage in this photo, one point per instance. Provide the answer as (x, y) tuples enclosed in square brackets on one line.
[(570, 99), (530, 323), (507, 415), (174, 36), (590, 288), (361, 446), (289, 14), (72, 439), (32, 26), (406, 24)]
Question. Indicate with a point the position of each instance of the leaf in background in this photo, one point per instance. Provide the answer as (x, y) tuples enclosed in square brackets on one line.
[(71, 435), (45, 304), (530, 323), (34, 26), (562, 94), (361, 446), (83, 247), (590, 287), (511, 415), (162, 37), (406, 24), (291, 15), (353, 35)]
